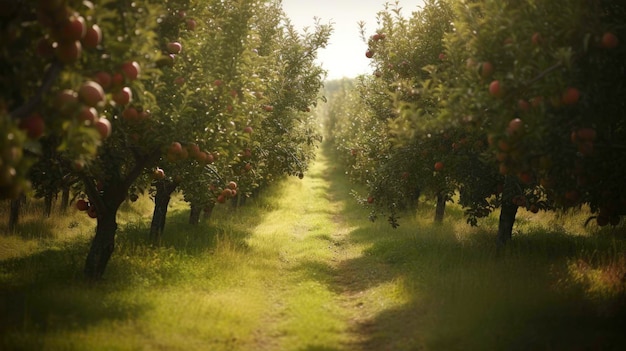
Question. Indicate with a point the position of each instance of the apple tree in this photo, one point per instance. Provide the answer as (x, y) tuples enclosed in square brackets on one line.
[(538, 82)]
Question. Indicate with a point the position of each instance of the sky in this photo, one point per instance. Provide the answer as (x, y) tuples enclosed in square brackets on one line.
[(345, 54)]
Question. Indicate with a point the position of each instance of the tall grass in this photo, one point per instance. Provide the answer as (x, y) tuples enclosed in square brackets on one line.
[(301, 268)]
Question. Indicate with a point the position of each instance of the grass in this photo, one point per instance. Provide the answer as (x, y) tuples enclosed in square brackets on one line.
[(301, 268)]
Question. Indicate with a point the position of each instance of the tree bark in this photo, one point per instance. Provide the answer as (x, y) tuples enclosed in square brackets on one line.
[(161, 202), (108, 202), (65, 198), (208, 211), (194, 214), (14, 215), (48, 199), (508, 211), (440, 210), (102, 245)]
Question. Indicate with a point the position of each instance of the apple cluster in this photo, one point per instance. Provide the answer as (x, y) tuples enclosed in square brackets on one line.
[(176, 152), (68, 32), (85, 206), (228, 192)]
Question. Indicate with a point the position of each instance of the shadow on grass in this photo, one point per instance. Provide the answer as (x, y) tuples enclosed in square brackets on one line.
[(45, 291), (461, 293)]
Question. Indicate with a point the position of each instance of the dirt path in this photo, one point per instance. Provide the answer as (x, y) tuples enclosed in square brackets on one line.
[(324, 280)]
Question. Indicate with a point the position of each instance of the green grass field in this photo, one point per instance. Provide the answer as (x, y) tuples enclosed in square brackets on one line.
[(301, 268)]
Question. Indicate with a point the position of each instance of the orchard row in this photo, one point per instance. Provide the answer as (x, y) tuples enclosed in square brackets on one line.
[(510, 104), (107, 100)]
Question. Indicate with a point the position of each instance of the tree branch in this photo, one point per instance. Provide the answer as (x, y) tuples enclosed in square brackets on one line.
[(544, 73), (140, 164), (49, 78)]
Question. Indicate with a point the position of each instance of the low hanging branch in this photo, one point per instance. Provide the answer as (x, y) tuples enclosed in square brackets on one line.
[(214, 172), (51, 75)]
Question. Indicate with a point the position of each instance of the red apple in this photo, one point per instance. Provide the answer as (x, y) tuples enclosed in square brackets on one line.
[(174, 47), (158, 174), (370, 199), (66, 98), (495, 89), (74, 29), (104, 127), (68, 52), (130, 114), (117, 80), (131, 70), (609, 41), (227, 193), (88, 115), (176, 148), (210, 158), (179, 81), (91, 93), (93, 37), (515, 127), (523, 105), (485, 69), (369, 54), (232, 185), (123, 97), (34, 125), (268, 108), (103, 78), (536, 39), (82, 205), (145, 114), (191, 24), (438, 166), (570, 96), (503, 145), (586, 134), (525, 177), (247, 130), (91, 212), (193, 149)]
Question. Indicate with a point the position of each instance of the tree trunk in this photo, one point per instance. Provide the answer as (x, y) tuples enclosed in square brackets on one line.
[(194, 214), (441, 207), (208, 210), (108, 202), (414, 198), (102, 245), (48, 199), (65, 198), (161, 202), (14, 215), (508, 211)]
